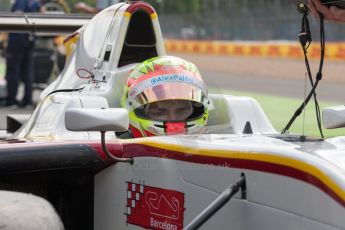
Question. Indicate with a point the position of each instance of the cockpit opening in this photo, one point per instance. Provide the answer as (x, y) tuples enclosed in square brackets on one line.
[(140, 40)]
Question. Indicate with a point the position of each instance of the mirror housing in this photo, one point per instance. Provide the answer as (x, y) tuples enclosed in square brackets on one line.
[(102, 120), (333, 117), (94, 119)]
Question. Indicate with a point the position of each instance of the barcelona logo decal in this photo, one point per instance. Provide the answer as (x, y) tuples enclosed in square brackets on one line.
[(154, 208)]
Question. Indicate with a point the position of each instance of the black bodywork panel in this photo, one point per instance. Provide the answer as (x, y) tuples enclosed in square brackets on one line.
[(62, 174)]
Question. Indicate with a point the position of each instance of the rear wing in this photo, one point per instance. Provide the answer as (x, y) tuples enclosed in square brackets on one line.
[(37, 23)]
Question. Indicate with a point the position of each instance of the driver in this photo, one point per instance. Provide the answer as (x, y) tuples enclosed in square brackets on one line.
[(165, 96)]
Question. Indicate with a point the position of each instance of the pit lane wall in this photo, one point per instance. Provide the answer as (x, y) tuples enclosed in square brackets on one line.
[(272, 49)]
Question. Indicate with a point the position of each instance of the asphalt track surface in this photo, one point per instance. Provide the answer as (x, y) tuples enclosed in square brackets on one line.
[(276, 77)]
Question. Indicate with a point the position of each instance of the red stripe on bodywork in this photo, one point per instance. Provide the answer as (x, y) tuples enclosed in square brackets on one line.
[(70, 37), (139, 150), (115, 149), (140, 6)]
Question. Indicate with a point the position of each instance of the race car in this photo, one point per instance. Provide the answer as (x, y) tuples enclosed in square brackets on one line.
[(240, 174)]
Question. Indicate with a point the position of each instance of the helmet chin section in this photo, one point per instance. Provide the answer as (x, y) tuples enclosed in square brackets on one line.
[(172, 128)]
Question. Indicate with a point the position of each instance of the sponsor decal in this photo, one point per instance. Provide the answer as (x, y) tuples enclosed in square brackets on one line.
[(133, 92), (170, 78), (162, 79), (154, 208)]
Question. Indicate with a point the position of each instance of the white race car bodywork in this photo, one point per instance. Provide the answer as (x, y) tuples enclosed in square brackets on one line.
[(289, 185), (105, 36)]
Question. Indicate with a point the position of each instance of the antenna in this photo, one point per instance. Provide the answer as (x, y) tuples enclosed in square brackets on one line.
[(305, 40), (302, 8), (305, 96)]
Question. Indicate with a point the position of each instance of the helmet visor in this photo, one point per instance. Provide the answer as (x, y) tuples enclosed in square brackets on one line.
[(167, 111), (171, 91)]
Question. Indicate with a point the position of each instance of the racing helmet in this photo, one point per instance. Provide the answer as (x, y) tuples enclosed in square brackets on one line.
[(165, 95)]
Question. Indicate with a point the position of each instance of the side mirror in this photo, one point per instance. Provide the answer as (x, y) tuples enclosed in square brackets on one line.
[(92, 119), (333, 117)]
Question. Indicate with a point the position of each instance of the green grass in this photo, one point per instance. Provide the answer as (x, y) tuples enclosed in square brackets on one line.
[(279, 110), (2, 69)]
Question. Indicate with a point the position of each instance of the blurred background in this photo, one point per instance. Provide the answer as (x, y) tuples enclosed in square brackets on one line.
[(249, 20), (218, 36)]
